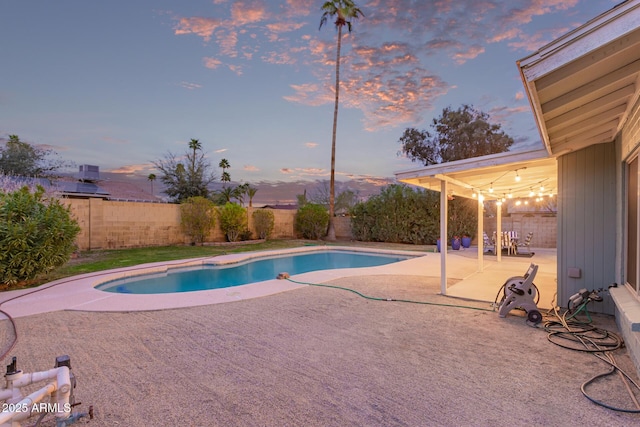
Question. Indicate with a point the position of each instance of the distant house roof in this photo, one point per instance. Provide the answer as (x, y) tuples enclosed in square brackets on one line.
[(81, 189), (128, 191), (289, 207), (72, 187)]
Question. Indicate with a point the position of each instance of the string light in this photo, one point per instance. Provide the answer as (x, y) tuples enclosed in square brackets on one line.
[(517, 176)]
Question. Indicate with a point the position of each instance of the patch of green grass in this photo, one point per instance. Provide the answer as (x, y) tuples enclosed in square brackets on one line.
[(100, 260)]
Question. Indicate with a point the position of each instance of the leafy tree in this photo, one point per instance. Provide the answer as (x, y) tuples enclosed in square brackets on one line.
[(263, 222), (197, 218), (343, 11), (399, 214), (345, 198), (18, 158), (187, 181), (302, 199), (233, 221), (37, 235), (312, 221), (458, 134), (403, 214)]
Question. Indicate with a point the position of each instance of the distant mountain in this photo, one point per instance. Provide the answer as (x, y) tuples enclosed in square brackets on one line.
[(269, 192)]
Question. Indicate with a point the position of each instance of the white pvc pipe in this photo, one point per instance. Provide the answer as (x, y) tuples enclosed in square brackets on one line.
[(60, 390), (25, 405)]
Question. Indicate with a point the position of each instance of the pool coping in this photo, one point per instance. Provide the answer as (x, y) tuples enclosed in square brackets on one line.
[(78, 292)]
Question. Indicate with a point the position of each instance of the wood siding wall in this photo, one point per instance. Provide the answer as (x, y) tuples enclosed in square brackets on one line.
[(587, 222)]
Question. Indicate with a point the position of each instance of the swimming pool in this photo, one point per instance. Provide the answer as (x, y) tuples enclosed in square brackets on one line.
[(213, 276)]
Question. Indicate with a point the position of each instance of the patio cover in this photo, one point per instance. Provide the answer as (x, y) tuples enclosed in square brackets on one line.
[(489, 179)]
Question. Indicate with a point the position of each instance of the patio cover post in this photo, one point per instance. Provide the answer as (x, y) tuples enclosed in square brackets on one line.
[(443, 236), (480, 234), (498, 244)]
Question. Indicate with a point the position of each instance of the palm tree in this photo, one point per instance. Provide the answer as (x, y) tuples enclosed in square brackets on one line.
[(251, 193), (224, 164), (343, 11), (226, 194), (195, 145), (151, 178)]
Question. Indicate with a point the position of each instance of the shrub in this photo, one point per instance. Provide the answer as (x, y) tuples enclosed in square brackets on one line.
[(197, 218), (37, 235), (401, 214), (312, 221), (264, 223), (233, 221)]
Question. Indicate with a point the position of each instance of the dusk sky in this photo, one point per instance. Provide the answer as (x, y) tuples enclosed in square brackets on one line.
[(120, 83)]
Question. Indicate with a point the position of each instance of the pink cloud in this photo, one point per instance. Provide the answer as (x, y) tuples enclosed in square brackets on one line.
[(385, 60), (471, 53), (284, 27), (309, 94), (525, 14), (279, 58), (132, 169), (243, 13), (212, 63), (203, 27)]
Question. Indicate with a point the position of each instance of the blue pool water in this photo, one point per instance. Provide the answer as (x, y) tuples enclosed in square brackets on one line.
[(257, 270)]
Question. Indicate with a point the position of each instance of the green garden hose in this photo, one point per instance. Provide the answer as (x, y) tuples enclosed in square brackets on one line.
[(388, 299)]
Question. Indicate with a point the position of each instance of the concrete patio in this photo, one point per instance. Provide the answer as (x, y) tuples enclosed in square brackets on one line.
[(464, 278)]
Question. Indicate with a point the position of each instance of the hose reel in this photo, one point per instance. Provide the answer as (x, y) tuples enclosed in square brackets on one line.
[(521, 292)]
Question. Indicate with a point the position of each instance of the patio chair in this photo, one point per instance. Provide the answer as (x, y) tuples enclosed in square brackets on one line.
[(508, 242), (489, 245), (526, 243)]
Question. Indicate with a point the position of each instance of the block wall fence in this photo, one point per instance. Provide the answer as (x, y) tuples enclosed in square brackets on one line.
[(107, 224)]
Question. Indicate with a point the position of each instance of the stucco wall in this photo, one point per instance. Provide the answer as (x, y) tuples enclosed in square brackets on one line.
[(109, 224), (544, 228)]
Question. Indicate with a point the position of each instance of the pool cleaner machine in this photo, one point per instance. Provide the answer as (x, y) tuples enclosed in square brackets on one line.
[(520, 292)]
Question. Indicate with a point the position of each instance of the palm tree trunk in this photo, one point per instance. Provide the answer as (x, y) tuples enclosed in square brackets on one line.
[(331, 233)]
